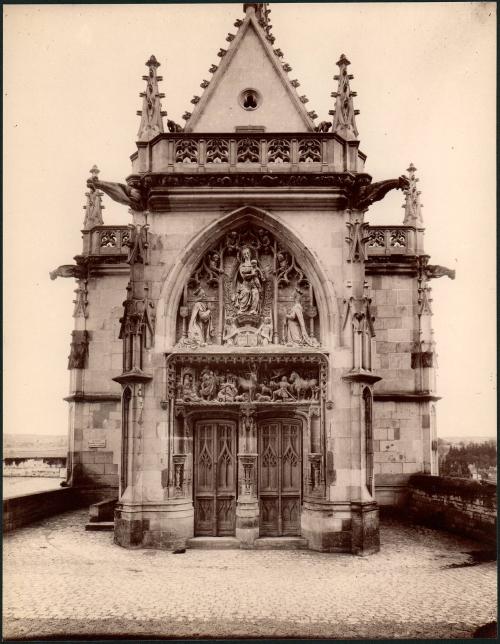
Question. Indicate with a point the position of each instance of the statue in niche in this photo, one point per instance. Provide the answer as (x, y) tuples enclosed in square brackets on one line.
[(265, 332), (295, 333), (200, 328), (249, 284)]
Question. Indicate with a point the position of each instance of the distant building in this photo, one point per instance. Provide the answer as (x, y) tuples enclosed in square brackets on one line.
[(250, 357), (42, 462)]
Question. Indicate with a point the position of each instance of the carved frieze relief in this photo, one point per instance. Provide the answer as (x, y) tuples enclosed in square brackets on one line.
[(246, 380)]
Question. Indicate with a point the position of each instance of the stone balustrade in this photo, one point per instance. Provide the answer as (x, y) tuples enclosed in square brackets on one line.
[(248, 152), (106, 240), (382, 240), (393, 240)]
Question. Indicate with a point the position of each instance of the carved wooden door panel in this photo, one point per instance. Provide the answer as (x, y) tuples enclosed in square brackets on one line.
[(280, 477), (215, 478)]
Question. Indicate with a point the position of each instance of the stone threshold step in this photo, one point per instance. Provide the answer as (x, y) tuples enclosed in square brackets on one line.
[(280, 543), (262, 543), (214, 543), (100, 525)]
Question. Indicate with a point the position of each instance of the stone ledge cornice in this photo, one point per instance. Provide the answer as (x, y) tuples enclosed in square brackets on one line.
[(403, 396), (92, 397)]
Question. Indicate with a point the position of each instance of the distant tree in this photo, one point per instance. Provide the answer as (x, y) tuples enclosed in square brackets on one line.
[(457, 460)]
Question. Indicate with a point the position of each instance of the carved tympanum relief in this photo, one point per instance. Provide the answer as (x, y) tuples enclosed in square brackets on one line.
[(248, 291)]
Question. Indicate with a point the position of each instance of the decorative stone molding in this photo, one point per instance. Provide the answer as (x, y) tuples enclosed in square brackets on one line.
[(422, 359), (357, 238), (81, 302), (179, 482), (79, 350)]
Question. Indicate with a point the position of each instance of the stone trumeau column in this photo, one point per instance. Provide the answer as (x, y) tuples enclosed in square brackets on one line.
[(247, 506)]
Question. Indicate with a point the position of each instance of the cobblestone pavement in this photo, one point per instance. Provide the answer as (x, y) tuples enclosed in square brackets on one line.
[(62, 581)]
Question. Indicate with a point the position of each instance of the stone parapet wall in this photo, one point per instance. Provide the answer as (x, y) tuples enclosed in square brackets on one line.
[(460, 505), (20, 511)]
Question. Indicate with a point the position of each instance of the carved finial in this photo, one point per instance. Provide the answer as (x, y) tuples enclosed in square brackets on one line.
[(93, 208), (412, 205), (344, 122), (151, 113)]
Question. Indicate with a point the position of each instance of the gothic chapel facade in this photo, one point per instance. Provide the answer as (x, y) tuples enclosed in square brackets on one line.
[(251, 360)]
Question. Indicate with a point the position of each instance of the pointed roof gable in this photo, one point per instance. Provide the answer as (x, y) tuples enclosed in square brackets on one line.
[(250, 63)]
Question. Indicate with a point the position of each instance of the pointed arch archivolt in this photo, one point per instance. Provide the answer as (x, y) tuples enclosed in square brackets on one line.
[(187, 260)]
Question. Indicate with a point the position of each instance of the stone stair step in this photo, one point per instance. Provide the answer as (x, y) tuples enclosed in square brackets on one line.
[(213, 543), (100, 525)]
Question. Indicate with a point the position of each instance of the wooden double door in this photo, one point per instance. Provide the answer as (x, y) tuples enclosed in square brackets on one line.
[(279, 481)]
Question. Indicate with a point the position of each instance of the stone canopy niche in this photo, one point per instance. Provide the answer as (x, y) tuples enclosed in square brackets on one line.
[(248, 291)]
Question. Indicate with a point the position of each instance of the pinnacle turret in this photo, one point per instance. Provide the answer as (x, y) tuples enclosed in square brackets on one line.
[(93, 208), (344, 121), (151, 113), (412, 205)]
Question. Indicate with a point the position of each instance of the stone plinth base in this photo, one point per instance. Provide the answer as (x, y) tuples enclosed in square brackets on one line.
[(164, 526), (327, 526), (247, 522), (365, 528)]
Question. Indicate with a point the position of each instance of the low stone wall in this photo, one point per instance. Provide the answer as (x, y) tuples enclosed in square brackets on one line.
[(19, 511), (460, 505)]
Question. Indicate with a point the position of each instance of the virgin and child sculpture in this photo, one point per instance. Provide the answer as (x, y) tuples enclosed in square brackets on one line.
[(249, 285)]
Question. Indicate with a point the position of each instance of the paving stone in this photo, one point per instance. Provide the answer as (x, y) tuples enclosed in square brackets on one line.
[(60, 580)]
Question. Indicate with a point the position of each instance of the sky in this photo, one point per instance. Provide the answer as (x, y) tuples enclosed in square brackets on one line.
[(425, 78)]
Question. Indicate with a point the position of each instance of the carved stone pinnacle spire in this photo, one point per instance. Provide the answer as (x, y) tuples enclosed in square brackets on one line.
[(151, 113), (412, 205), (93, 208), (344, 121)]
